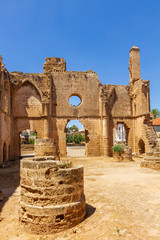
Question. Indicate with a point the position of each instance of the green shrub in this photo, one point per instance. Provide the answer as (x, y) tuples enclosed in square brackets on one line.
[(118, 148), (31, 141), (33, 134)]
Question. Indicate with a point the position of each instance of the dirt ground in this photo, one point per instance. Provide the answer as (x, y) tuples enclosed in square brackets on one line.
[(122, 202), (76, 151)]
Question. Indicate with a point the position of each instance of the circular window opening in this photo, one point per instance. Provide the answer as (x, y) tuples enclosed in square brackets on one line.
[(75, 101)]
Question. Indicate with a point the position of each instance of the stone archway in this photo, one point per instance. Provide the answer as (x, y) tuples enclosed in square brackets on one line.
[(27, 110), (27, 101)]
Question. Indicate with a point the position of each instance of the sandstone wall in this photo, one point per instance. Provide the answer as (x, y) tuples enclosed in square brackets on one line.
[(83, 84), (40, 102), (5, 115), (27, 102)]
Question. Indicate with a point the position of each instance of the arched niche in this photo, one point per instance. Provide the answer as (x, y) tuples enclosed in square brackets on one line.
[(141, 146), (27, 101)]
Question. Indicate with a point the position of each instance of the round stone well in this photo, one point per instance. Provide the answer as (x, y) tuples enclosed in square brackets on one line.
[(52, 195)]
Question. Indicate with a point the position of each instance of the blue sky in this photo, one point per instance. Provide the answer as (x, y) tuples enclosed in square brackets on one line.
[(89, 34), (75, 122)]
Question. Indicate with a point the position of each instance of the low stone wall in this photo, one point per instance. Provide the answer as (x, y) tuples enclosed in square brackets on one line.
[(52, 195), (151, 160)]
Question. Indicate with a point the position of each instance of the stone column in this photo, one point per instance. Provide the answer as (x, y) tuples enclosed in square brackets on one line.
[(105, 130), (105, 136), (45, 147), (52, 192), (45, 108), (52, 196), (134, 62)]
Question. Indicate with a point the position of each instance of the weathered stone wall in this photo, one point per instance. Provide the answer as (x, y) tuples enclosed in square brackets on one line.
[(115, 96), (52, 197), (27, 102), (40, 102), (5, 137), (5, 115), (83, 84)]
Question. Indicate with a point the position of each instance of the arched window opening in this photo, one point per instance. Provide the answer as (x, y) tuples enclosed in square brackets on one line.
[(141, 147), (75, 139), (27, 140), (120, 133)]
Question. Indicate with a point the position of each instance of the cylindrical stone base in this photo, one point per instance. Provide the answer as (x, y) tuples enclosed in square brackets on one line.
[(52, 195)]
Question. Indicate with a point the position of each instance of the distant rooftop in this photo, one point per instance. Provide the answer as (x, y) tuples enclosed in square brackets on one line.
[(156, 121)]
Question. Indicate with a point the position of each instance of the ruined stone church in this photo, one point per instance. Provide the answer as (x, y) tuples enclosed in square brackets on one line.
[(40, 102)]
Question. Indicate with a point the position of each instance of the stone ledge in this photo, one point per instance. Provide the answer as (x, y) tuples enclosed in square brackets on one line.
[(151, 164)]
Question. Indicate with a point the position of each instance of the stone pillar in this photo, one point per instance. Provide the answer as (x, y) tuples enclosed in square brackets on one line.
[(45, 127), (45, 109), (45, 147), (104, 136), (52, 195), (105, 130), (134, 62)]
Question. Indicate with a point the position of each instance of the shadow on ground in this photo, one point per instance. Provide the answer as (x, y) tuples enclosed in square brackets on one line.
[(9, 180), (89, 211)]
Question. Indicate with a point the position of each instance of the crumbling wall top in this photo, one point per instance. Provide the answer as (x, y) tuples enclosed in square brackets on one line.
[(134, 64), (54, 64), (1, 64), (134, 48)]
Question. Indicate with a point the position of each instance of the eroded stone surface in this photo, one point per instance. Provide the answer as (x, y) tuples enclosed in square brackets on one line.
[(52, 196), (39, 101)]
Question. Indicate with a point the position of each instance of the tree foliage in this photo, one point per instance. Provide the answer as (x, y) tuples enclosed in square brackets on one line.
[(31, 141), (72, 135), (69, 138), (155, 112), (74, 128), (77, 138)]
